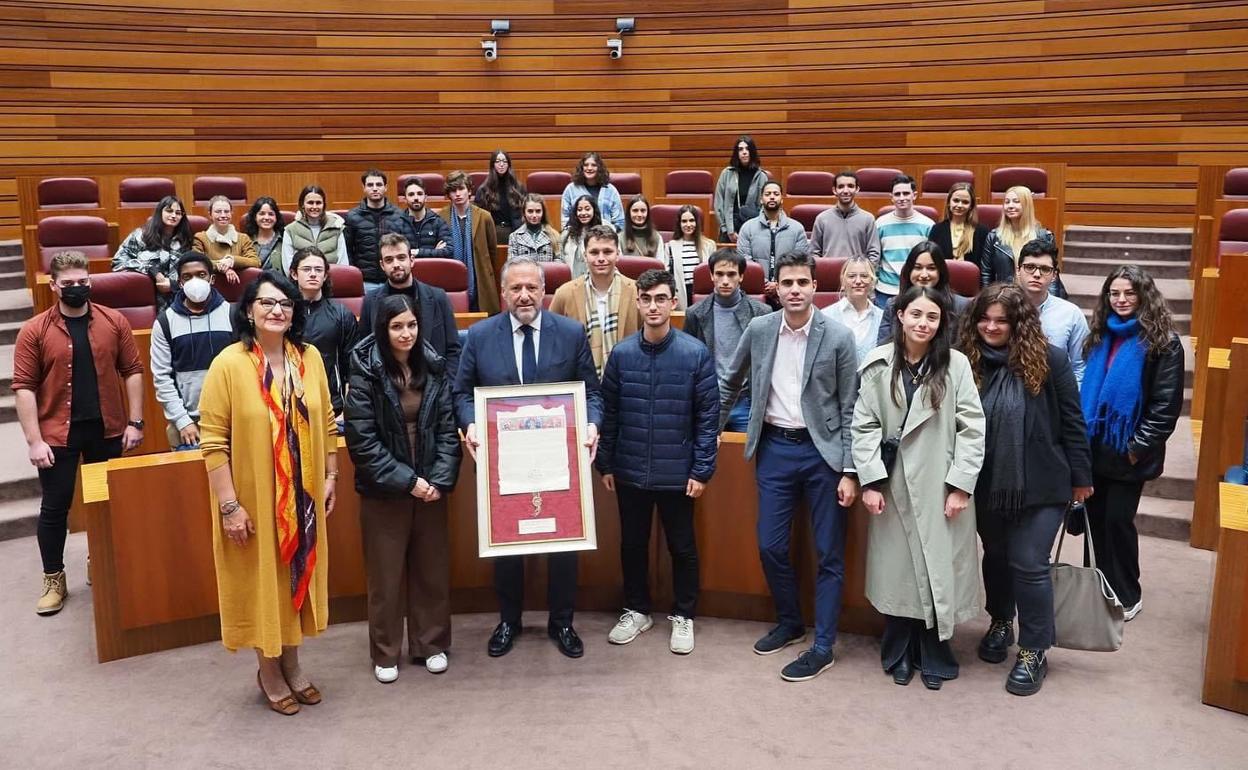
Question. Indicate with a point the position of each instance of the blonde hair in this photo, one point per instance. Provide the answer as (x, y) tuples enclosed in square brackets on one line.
[(1013, 237), (967, 241), (214, 200), (857, 262)]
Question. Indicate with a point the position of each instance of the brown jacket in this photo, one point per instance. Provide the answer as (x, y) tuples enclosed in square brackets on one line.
[(570, 299), (218, 247), (43, 359), (485, 258)]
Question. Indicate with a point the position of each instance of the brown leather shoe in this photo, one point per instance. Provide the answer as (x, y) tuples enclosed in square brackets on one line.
[(284, 706)]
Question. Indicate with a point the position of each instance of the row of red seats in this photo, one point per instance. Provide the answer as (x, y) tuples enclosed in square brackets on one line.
[(134, 294), (137, 192)]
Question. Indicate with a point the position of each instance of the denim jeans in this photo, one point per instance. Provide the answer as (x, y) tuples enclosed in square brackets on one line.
[(739, 417), (1016, 570)]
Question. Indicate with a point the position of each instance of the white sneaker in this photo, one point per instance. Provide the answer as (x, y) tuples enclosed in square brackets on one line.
[(386, 674), (436, 664), (1131, 612), (682, 635), (630, 626)]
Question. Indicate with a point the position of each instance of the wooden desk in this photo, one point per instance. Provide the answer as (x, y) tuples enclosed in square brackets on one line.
[(149, 519), (1226, 655)]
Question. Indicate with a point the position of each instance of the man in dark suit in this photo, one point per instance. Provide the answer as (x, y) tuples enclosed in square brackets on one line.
[(523, 346), (437, 320), (802, 369)]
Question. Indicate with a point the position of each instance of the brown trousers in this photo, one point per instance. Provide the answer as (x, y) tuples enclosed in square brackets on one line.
[(408, 569)]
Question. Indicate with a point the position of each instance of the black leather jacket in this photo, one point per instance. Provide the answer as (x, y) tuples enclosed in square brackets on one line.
[(377, 432), (1163, 402)]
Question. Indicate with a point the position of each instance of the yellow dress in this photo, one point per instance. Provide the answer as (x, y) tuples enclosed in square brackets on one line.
[(253, 585)]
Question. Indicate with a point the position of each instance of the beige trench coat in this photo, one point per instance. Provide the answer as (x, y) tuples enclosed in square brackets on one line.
[(920, 564)]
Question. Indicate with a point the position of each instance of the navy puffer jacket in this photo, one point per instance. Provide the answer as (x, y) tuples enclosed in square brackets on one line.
[(660, 413)]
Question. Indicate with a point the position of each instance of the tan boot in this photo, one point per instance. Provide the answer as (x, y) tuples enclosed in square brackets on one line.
[(54, 594)]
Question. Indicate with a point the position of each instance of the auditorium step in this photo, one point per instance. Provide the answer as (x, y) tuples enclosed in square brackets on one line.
[(1178, 481), (1084, 264), (15, 305), (1121, 252), (1147, 236), (18, 478), (8, 331), (18, 517), (1084, 290), (1169, 519)]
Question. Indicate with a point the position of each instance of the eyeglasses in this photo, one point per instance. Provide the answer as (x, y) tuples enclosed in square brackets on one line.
[(1044, 270), (646, 299), (268, 303), (311, 270)]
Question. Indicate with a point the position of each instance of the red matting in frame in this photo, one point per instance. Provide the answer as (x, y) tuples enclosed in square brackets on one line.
[(564, 506)]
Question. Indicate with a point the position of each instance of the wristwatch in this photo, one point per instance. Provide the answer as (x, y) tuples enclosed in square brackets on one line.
[(137, 424)]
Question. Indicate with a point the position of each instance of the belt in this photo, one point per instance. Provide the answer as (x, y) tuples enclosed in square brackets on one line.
[(796, 435)]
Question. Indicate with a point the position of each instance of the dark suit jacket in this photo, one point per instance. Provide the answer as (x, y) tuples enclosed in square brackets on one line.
[(489, 358), (437, 320), (943, 238)]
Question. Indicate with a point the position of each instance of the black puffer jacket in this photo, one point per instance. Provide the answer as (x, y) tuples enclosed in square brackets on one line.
[(377, 433), (425, 234), (364, 228), (1163, 403)]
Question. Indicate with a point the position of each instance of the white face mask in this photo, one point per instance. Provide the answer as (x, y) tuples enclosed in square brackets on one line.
[(197, 289)]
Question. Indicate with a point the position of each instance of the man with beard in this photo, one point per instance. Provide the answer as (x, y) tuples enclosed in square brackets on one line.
[(770, 235), (437, 320), (367, 223)]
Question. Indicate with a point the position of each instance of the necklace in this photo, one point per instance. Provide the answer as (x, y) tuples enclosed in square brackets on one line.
[(915, 370)]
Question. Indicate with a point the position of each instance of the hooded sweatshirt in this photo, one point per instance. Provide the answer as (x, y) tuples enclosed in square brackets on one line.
[(183, 346)]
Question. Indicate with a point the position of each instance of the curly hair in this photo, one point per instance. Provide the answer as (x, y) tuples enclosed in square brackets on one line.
[(1028, 347), (1156, 323)]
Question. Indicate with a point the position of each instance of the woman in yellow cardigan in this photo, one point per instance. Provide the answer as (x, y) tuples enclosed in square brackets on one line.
[(268, 435)]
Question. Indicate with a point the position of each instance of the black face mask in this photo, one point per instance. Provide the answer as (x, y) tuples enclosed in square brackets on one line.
[(75, 296)]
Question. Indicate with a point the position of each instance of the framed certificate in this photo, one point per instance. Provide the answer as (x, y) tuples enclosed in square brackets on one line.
[(534, 489)]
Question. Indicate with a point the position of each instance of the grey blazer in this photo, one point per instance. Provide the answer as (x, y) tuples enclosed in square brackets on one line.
[(829, 384)]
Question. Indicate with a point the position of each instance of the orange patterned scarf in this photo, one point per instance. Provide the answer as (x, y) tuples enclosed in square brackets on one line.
[(294, 470)]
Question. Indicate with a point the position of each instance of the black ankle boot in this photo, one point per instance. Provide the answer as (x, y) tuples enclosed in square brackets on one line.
[(995, 645), (1028, 673)]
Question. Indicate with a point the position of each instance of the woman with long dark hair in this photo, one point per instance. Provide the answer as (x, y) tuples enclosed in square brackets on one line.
[(263, 223), (739, 189), (918, 443), (269, 541), (572, 241), (154, 248), (1132, 396), (924, 266), (314, 226), (329, 327), (959, 234), (592, 178), (502, 195), (687, 249), (640, 238), (402, 438), (1036, 460), (536, 239)]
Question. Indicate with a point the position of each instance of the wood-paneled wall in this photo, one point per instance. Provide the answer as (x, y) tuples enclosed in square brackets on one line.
[(1131, 95)]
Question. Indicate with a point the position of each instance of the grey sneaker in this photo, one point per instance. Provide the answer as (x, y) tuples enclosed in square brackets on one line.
[(682, 634), (630, 626)]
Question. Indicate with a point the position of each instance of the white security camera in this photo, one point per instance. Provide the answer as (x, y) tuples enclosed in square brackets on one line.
[(615, 47), (625, 24), (490, 48)]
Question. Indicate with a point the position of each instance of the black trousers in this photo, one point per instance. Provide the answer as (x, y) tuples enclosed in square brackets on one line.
[(676, 515), (1111, 514), (560, 587), (911, 637), (1016, 570), (85, 442)]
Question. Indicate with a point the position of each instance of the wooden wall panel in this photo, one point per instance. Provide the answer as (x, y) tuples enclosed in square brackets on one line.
[(1130, 95)]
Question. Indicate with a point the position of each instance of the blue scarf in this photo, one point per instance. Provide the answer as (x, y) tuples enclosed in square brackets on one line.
[(1113, 393)]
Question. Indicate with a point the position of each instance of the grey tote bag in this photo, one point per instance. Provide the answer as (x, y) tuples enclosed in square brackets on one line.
[(1087, 613)]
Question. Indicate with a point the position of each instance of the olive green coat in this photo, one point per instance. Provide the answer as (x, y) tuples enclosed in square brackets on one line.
[(920, 564)]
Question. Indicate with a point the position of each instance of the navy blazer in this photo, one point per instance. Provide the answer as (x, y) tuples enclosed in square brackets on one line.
[(489, 358)]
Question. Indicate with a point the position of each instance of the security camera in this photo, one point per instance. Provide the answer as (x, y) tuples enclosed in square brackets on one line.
[(625, 24), (490, 48), (500, 26), (615, 47)]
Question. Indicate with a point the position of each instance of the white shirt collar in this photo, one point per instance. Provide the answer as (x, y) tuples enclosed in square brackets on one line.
[(536, 323)]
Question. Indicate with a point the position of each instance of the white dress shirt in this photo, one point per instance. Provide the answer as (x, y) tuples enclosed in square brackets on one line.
[(784, 401), (517, 341)]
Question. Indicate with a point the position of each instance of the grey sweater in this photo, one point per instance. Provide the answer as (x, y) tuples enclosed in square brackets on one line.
[(838, 234)]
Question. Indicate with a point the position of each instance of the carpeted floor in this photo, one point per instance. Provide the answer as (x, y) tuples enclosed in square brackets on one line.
[(634, 706)]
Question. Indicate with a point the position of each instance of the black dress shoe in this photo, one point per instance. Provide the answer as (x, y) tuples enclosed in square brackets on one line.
[(931, 681), (903, 672), (568, 642), (503, 638)]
